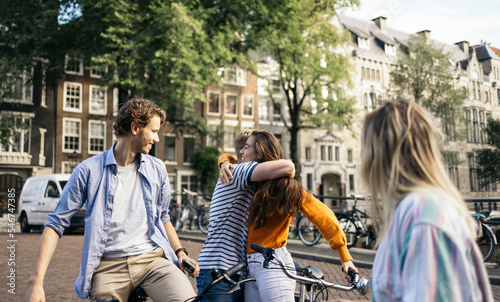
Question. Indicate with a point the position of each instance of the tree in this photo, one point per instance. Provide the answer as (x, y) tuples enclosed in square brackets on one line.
[(489, 159), (161, 50), (205, 163), (425, 75), (301, 37)]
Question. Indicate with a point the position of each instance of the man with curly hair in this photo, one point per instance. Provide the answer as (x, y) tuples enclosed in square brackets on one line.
[(129, 240)]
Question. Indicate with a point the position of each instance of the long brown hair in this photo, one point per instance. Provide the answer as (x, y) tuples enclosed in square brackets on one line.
[(282, 196)]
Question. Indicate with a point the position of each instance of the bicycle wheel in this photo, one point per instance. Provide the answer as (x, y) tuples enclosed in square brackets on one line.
[(486, 243), (308, 233), (203, 220), (350, 231)]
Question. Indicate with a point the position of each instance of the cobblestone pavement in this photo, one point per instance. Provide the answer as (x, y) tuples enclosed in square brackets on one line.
[(63, 268)]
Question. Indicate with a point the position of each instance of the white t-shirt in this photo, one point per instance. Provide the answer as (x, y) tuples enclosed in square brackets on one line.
[(129, 232)]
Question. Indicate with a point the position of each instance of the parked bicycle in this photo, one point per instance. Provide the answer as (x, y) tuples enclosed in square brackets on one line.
[(195, 208), (355, 225), (485, 237), (305, 230)]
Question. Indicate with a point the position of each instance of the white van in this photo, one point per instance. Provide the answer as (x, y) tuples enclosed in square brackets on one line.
[(39, 198)]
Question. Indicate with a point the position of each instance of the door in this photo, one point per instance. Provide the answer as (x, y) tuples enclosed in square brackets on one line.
[(49, 200)]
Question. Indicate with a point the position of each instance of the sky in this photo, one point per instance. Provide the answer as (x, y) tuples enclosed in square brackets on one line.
[(449, 21)]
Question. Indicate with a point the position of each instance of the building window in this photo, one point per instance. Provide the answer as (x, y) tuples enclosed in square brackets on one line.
[(72, 131), (229, 136), (189, 182), (97, 136), (73, 66), (330, 153), (278, 137), (263, 111), (276, 86), (451, 161), (98, 99), (482, 126), (213, 102), (189, 147), (337, 154), (115, 101), (309, 182), (214, 136), (351, 183), (362, 73), (72, 97), (373, 99), (349, 156), (98, 73), (308, 153), (231, 104), (323, 155), (20, 138), (475, 126), (363, 43), (18, 87), (390, 50), (248, 105), (234, 76), (170, 148), (468, 119), (277, 112)]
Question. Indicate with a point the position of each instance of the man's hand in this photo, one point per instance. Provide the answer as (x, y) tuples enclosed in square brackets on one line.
[(196, 272), (225, 172), (345, 267), (34, 293)]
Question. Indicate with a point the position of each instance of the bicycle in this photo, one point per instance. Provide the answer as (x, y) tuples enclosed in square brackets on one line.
[(486, 239), (189, 212), (305, 230), (354, 224), (311, 278)]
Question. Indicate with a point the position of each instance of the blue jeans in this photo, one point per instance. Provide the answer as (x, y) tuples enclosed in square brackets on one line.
[(219, 293)]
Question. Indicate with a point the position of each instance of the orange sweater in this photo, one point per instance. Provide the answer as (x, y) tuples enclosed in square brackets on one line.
[(275, 232)]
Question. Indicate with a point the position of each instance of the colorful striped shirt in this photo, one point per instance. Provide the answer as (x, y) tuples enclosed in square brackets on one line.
[(227, 233), (429, 254)]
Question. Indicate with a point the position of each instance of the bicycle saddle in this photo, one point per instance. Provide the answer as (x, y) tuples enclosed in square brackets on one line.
[(309, 271)]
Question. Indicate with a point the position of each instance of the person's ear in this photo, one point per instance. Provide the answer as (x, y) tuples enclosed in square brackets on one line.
[(134, 128)]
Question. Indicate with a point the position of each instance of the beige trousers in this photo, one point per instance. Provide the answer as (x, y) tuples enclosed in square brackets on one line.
[(160, 278)]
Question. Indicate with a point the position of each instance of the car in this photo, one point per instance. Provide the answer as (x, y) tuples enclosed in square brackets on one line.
[(39, 198)]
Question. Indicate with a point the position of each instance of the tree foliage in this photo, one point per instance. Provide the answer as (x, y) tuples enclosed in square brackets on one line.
[(425, 75), (205, 163), (302, 38), (489, 158)]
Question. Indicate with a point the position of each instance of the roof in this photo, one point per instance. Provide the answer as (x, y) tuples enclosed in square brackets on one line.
[(391, 36)]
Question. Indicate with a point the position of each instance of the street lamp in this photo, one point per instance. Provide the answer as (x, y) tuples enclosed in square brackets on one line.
[(74, 160)]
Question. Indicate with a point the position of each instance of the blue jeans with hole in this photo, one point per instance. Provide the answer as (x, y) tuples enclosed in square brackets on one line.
[(218, 293)]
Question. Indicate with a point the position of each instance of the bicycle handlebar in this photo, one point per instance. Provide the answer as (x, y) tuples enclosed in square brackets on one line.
[(218, 277), (361, 285)]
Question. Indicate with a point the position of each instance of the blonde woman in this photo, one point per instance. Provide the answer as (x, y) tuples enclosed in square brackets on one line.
[(427, 250)]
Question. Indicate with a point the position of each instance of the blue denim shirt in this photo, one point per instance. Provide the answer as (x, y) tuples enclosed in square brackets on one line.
[(94, 183)]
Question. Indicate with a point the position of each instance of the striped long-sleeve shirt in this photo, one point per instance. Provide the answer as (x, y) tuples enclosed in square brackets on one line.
[(227, 232), (429, 254)]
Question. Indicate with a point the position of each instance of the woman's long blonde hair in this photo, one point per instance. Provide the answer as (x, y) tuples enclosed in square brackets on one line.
[(399, 156)]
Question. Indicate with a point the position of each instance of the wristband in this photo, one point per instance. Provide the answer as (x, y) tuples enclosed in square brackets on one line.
[(181, 249)]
